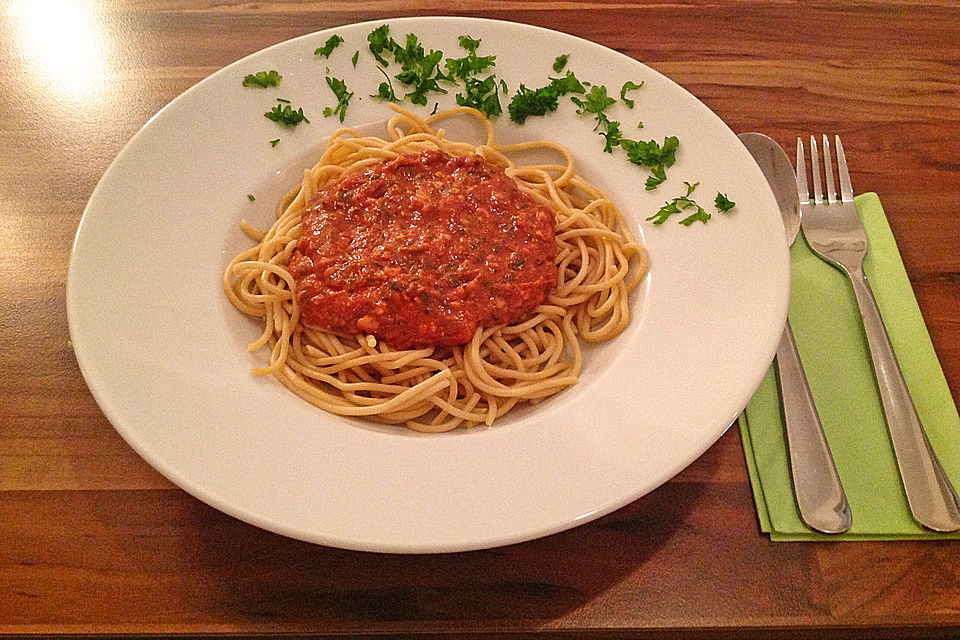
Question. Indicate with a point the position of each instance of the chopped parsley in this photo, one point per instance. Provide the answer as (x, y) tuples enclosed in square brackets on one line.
[(422, 73), (385, 91), (410, 53), (537, 102), (380, 42), (612, 135), (531, 102), (419, 70), (628, 86), (482, 95), (700, 215), (339, 88), (723, 203), (250, 196), (471, 64), (657, 176), (285, 115), (469, 43), (653, 155), (595, 102), (262, 79), (679, 204), (328, 48), (567, 84)]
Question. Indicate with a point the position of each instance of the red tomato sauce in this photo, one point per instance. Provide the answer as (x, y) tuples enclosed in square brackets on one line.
[(422, 250)]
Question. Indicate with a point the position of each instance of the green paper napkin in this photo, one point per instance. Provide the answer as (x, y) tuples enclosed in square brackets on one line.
[(833, 348)]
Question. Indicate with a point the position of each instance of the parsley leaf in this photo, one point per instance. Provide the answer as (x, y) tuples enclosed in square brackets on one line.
[(628, 86), (380, 41), (657, 176), (536, 102), (262, 79), (274, 143), (471, 64), (680, 204), (468, 66), (611, 133), (596, 101), (723, 203), (285, 115), (410, 53), (469, 43), (567, 84), (385, 90), (700, 215), (531, 102), (250, 196), (481, 95), (560, 62), (328, 48), (665, 212), (339, 88), (651, 154), (356, 56), (421, 71)]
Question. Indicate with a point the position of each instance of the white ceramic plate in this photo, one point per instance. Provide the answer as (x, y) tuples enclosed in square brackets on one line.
[(164, 353)]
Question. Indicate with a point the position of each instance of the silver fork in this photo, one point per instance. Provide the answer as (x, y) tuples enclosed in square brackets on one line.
[(832, 227)]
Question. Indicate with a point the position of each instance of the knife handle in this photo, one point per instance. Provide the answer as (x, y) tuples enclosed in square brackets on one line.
[(820, 497)]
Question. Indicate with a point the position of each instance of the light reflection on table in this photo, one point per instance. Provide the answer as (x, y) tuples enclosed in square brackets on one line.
[(64, 43)]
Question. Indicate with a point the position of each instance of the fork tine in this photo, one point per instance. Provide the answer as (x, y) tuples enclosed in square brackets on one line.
[(802, 189), (828, 171), (815, 168), (846, 189)]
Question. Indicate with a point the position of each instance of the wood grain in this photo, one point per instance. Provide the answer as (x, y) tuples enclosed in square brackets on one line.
[(92, 540)]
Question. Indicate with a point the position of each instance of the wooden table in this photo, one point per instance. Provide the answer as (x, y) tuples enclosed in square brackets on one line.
[(92, 540)]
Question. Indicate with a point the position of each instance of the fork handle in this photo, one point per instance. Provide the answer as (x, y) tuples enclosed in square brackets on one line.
[(820, 498), (933, 501)]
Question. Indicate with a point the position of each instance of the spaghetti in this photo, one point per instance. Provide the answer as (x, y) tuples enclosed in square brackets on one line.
[(438, 388)]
